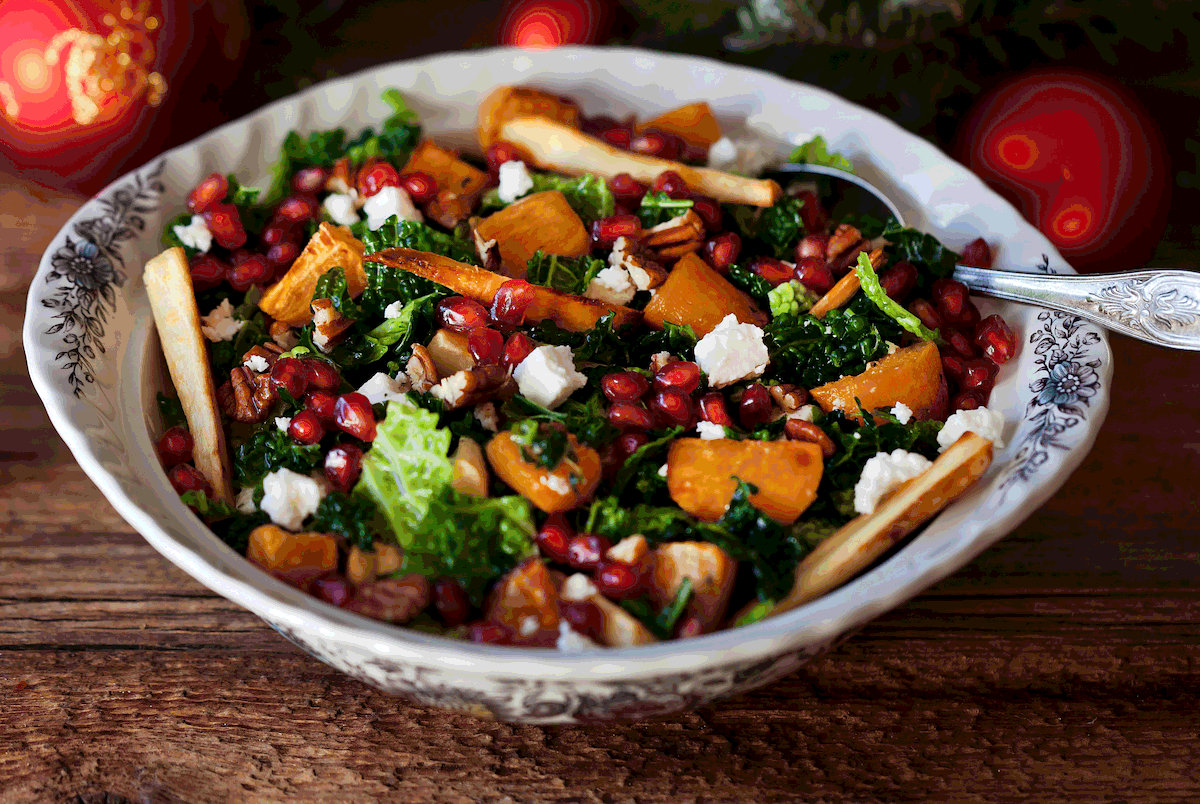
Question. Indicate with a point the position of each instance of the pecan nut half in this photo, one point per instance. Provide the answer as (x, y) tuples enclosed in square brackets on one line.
[(329, 325), (248, 396)]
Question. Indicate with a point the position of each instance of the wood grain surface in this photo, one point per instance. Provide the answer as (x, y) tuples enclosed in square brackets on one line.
[(1062, 665)]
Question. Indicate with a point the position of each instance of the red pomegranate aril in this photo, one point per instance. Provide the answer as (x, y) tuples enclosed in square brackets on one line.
[(290, 374), (333, 589), (309, 180), (353, 414), (630, 415), (306, 427), (693, 153), (420, 186), (713, 409), (657, 143), (967, 320), (175, 446), (977, 253), (282, 255), (814, 274), (722, 251), (924, 310), (689, 626), (343, 465), (583, 616), (486, 345), (460, 314), (517, 348), (627, 190), (209, 191), (672, 184), (207, 272), (185, 477), (899, 281), (322, 403), (605, 231), (489, 633), (813, 245), (511, 302), (451, 602), (682, 375), (967, 400), (631, 442), (253, 270), (322, 376), (554, 537), (673, 407), (774, 271), (225, 223), (953, 365), (813, 213), (979, 374), (709, 211), (276, 232), (959, 342), (374, 176), (586, 551), (619, 581), (298, 209), (500, 152), (617, 137), (951, 297), (755, 407), (996, 339), (624, 386)]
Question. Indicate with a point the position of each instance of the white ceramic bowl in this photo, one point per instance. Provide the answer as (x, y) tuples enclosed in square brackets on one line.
[(95, 361)]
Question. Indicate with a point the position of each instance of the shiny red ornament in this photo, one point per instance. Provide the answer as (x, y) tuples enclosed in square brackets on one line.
[(544, 24)]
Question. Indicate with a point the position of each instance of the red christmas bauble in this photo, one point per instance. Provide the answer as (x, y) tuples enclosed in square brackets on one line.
[(542, 24), (1080, 158)]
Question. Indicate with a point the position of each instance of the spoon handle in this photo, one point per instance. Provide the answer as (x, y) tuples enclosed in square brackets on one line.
[(1159, 306)]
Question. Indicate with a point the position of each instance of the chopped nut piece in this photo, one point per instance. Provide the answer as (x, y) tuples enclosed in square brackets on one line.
[(420, 369), (800, 430), (329, 325), (789, 397), (247, 397)]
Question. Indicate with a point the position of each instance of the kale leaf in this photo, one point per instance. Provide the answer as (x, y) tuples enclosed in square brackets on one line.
[(568, 274), (812, 351), (231, 525), (268, 449), (586, 419), (332, 285), (661, 623), (921, 249), (350, 516), (589, 195), (780, 227), (170, 409), (816, 152), (658, 207), (396, 139), (752, 283), (394, 335), (641, 458)]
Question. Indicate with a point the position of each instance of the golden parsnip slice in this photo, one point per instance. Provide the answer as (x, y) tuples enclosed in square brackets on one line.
[(169, 285), (855, 546), (554, 146)]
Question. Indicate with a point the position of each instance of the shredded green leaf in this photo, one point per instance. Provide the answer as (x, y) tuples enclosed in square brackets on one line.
[(875, 292), (816, 152)]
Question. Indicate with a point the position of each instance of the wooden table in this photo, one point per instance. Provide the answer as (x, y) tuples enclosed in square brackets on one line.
[(1062, 665)]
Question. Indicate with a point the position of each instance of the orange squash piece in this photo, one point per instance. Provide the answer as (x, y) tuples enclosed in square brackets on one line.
[(700, 475), (507, 103), (459, 184), (550, 490), (695, 123), (330, 247), (912, 375), (528, 590), (540, 222), (696, 295), (296, 557)]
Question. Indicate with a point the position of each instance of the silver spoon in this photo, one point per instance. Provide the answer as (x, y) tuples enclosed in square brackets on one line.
[(1156, 305)]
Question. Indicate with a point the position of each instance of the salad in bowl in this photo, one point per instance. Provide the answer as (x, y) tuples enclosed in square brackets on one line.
[(597, 384)]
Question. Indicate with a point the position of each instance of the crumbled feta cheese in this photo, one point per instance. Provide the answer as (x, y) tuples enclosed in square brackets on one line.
[(641, 278), (289, 497), (393, 309), (629, 550), (659, 359), (548, 376), (286, 339), (748, 156), (388, 202), (245, 501), (662, 470), (902, 412), (578, 588), (515, 181), (732, 352), (342, 207), (622, 248), (220, 325), (335, 460), (483, 247), (382, 388), (451, 389), (256, 363), (986, 423), (487, 416), (721, 153), (804, 413), (283, 422), (571, 641), (529, 625), (883, 473), (195, 235), (557, 484), (612, 285), (710, 431)]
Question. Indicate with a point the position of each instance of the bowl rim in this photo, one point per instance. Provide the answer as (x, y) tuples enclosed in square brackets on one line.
[(841, 611)]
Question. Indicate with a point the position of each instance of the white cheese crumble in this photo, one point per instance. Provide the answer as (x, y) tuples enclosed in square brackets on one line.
[(220, 325), (902, 412), (548, 376), (245, 501), (662, 470), (388, 202), (557, 484), (578, 588), (748, 156), (195, 235), (529, 625), (451, 389), (486, 414), (393, 309), (722, 153), (289, 498), (883, 473), (335, 460), (629, 550), (710, 431), (515, 181), (256, 363), (283, 422), (612, 285), (571, 641), (732, 352), (983, 422), (659, 359), (342, 207), (381, 388)]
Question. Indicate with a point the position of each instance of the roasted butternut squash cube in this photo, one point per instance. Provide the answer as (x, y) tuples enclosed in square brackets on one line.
[(912, 375), (330, 247), (459, 184), (565, 487), (540, 222), (709, 568), (296, 557), (694, 123), (525, 600), (507, 103), (700, 475), (696, 295)]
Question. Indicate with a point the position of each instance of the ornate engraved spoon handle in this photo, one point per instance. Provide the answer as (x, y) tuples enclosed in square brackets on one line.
[(1159, 306)]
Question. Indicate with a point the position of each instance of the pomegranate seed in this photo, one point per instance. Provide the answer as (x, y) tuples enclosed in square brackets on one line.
[(619, 137), (690, 625), (322, 403), (306, 427), (333, 589), (755, 407), (554, 538), (583, 616), (252, 270), (511, 302), (276, 232), (951, 297), (185, 477), (586, 551), (924, 310), (629, 443), (899, 280), (630, 415), (207, 272), (353, 414), (968, 319), (450, 600), (814, 274), (290, 374), (813, 213), (967, 400), (996, 339), (656, 143), (175, 446), (979, 375), (959, 342), (709, 211), (322, 376), (619, 581), (343, 464), (673, 407), (953, 365), (682, 375), (282, 255), (460, 314), (420, 186), (722, 251), (601, 122), (712, 409), (309, 180), (486, 345), (626, 190), (374, 176), (489, 634), (624, 386), (297, 209), (517, 348), (225, 223), (672, 184), (774, 271), (209, 191), (813, 245), (605, 231), (500, 152), (977, 253)]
